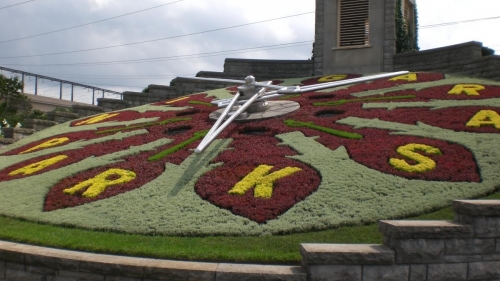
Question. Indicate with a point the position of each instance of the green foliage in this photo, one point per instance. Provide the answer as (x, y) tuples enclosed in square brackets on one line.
[(61, 109), (14, 106), (37, 114), (406, 38), (145, 90)]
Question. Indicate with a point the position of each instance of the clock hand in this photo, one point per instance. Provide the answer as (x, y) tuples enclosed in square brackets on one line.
[(210, 138), (221, 118), (311, 88)]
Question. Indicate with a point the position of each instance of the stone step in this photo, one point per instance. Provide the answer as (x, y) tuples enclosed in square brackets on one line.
[(414, 229), (345, 254), (488, 208), (483, 215)]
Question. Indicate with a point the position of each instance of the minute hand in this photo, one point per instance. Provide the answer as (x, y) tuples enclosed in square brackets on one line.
[(209, 139)]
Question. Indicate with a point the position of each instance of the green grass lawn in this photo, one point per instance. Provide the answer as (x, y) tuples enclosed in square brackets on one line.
[(282, 249)]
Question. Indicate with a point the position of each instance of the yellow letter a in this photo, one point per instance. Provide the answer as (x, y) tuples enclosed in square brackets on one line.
[(407, 77), (485, 117), (35, 167), (262, 181), (96, 119)]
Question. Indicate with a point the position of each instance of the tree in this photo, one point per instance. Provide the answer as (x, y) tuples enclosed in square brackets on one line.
[(406, 37), (13, 104)]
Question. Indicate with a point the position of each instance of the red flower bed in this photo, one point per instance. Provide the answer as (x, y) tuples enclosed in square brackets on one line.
[(257, 150)]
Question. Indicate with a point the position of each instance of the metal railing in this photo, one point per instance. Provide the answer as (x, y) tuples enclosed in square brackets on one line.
[(73, 84)]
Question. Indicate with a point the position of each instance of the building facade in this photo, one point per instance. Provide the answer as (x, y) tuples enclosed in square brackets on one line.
[(357, 36)]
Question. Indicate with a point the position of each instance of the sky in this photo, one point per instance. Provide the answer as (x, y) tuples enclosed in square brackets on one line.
[(126, 45)]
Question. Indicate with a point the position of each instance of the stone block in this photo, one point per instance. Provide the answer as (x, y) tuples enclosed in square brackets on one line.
[(418, 272), (177, 270), (462, 258), (2, 270), (40, 270), (462, 246), (43, 260), (120, 278), (21, 275), (334, 272), (10, 256), (498, 246), (62, 278), (81, 275), (409, 229), (477, 207), (336, 254), (487, 227), (14, 266), (494, 257), (418, 251), (114, 265), (447, 272), (484, 270), (229, 272), (386, 273)]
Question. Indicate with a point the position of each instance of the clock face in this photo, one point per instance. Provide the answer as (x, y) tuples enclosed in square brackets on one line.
[(355, 154)]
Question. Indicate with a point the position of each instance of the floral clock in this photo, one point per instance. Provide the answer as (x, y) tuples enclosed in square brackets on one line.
[(355, 154)]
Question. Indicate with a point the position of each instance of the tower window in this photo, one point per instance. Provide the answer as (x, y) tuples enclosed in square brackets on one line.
[(354, 24)]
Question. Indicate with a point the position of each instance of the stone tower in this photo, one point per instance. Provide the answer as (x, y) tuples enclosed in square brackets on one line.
[(357, 36)]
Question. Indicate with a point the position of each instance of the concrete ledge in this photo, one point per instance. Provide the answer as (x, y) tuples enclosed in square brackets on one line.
[(477, 207), (408, 229), (56, 264), (345, 254), (244, 272)]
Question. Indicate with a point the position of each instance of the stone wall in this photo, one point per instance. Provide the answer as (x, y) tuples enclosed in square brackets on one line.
[(268, 69), (319, 37), (389, 35), (240, 68), (467, 248), (465, 58)]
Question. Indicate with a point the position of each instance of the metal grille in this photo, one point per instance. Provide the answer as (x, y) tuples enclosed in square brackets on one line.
[(354, 23)]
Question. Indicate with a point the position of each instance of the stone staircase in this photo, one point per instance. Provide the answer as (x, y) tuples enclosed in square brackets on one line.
[(467, 248)]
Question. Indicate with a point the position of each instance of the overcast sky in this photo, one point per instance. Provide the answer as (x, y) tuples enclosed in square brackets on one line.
[(165, 32)]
